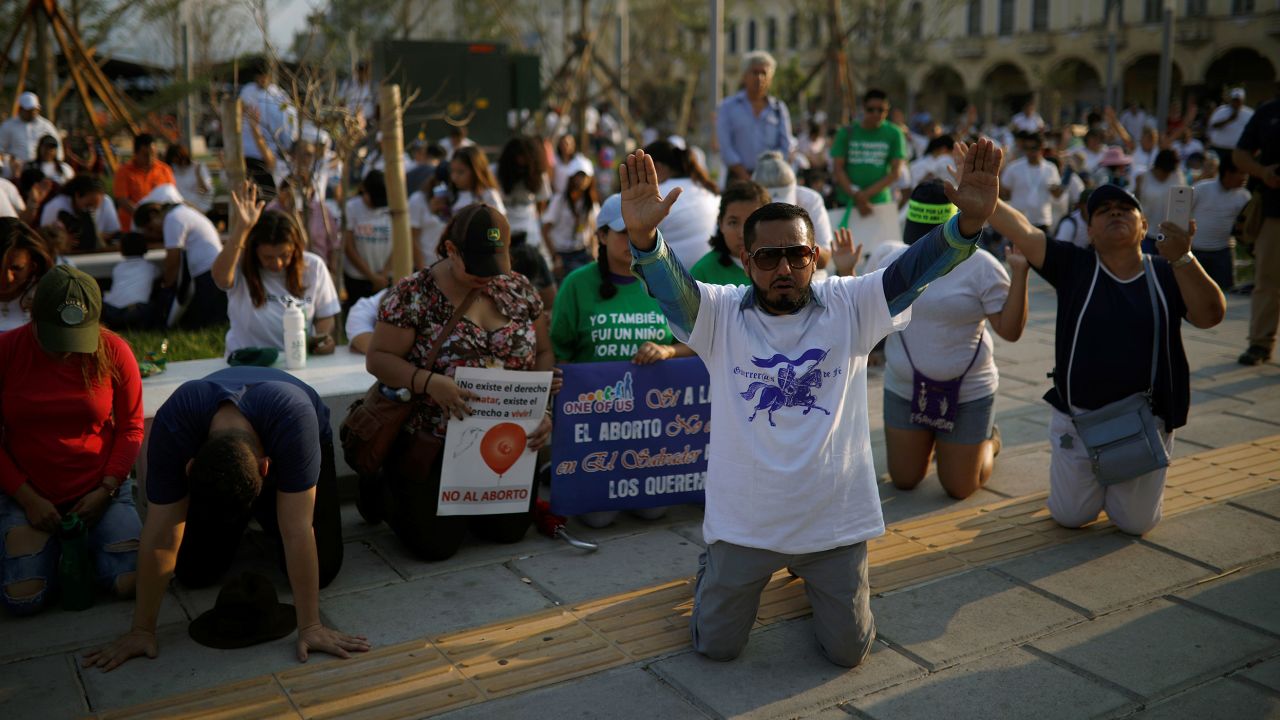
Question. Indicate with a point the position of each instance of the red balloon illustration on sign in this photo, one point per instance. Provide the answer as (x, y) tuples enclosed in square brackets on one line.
[(502, 445)]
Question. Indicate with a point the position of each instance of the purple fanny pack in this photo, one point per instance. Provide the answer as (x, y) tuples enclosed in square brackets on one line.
[(934, 403)]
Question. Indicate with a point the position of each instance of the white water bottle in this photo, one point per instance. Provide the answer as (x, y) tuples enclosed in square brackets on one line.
[(295, 337)]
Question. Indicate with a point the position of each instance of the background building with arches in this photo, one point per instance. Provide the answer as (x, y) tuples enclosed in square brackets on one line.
[(940, 55)]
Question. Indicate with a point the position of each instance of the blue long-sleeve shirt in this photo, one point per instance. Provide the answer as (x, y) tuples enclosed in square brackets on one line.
[(928, 259), (743, 135)]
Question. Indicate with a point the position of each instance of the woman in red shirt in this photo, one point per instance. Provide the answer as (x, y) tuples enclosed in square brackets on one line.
[(71, 419)]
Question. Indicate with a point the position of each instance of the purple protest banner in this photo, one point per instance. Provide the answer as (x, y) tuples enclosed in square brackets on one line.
[(630, 436)]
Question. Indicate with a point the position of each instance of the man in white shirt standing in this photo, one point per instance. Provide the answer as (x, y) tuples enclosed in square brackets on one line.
[(1028, 121), (1217, 206), (790, 482), (266, 105), (1225, 125), (20, 134), (1029, 183)]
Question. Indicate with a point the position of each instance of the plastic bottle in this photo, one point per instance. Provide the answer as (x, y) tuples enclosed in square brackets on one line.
[(397, 394), (75, 572), (295, 337)]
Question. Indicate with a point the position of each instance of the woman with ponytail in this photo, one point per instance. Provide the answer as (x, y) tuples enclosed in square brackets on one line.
[(723, 265), (604, 313), (693, 219)]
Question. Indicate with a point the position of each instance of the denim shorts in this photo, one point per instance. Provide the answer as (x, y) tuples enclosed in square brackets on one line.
[(119, 524), (973, 419)]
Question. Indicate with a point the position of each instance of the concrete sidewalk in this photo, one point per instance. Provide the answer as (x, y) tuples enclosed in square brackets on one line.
[(1183, 623)]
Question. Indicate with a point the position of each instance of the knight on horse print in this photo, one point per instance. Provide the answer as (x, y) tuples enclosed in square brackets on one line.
[(788, 390)]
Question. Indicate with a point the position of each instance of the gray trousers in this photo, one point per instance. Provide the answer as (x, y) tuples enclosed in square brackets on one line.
[(731, 578)]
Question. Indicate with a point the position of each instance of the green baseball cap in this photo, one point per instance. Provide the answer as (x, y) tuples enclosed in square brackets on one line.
[(66, 310)]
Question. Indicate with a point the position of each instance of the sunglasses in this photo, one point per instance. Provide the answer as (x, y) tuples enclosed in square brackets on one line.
[(798, 256)]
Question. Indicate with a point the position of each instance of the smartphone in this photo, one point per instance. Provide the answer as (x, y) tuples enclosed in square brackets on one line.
[(1181, 198)]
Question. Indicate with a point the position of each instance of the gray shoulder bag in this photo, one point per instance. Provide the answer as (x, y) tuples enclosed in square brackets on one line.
[(1123, 438)]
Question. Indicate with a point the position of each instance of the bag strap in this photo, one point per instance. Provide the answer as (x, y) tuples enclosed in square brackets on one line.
[(1071, 356), (448, 327), (903, 339), (1148, 270)]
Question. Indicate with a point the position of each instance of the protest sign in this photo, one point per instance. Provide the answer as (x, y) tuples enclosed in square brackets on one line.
[(488, 466), (630, 436)]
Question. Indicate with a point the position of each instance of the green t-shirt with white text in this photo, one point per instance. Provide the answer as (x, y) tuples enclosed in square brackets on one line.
[(588, 328), (867, 155)]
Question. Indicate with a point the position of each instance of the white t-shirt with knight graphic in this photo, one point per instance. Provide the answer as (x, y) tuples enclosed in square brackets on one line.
[(789, 465)]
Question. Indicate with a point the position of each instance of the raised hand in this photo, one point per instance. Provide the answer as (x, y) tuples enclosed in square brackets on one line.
[(844, 253), (245, 208), (977, 187), (1018, 262), (643, 208)]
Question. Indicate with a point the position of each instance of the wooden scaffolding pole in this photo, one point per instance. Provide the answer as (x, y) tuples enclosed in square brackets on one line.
[(87, 99), (105, 90), (397, 196), (23, 65), (232, 142)]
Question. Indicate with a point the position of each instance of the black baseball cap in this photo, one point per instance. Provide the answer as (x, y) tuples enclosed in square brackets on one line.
[(927, 209), (1108, 193), (482, 236)]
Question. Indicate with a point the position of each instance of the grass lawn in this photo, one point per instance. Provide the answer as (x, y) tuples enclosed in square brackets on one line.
[(183, 344)]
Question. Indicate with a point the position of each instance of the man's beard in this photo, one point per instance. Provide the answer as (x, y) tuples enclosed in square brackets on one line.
[(781, 306)]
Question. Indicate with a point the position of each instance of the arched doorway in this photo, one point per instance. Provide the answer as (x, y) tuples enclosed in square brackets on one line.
[(1240, 67), (1003, 92), (1072, 87), (1142, 82), (942, 94)]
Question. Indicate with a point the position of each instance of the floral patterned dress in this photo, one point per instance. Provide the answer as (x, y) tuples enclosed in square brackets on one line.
[(417, 303)]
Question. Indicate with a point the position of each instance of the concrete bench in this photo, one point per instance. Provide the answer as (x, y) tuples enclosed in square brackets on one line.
[(99, 264), (339, 379)]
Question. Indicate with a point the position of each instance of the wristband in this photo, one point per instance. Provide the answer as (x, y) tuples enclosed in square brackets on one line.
[(413, 381), (1186, 259), (112, 490)]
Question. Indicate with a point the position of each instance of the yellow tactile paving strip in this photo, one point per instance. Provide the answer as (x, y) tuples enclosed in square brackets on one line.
[(441, 673)]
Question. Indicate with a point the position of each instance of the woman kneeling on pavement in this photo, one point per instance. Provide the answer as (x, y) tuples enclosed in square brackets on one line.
[(940, 372), (1106, 330), (503, 326), (69, 390), (607, 286)]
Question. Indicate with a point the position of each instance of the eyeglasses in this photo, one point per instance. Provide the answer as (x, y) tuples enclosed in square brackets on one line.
[(798, 256)]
